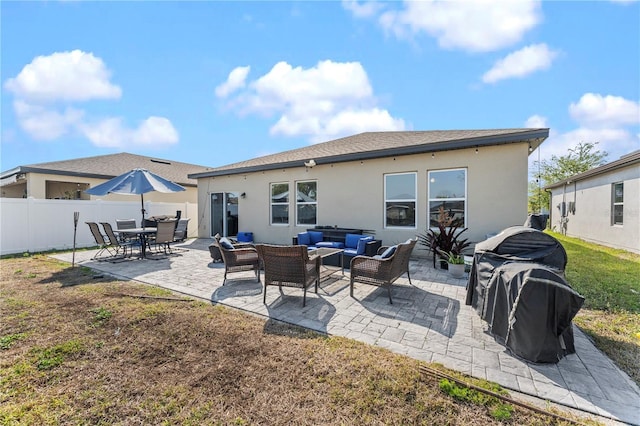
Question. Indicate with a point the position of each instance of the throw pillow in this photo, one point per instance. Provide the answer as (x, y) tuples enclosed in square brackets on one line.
[(362, 245), (226, 244), (388, 252), (316, 236), (304, 239), (351, 240)]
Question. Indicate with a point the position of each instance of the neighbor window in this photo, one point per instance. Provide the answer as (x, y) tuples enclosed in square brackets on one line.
[(279, 203), (400, 200), (448, 189), (617, 199), (306, 203)]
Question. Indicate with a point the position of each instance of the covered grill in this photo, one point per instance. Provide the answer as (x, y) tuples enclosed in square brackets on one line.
[(517, 285)]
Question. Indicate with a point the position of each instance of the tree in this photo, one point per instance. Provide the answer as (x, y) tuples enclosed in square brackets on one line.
[(583, 157)]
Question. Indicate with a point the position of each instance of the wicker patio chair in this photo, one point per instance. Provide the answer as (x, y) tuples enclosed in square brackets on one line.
[(122, 246), (104, 244), (289, 266), (380, 271), (237, 259)]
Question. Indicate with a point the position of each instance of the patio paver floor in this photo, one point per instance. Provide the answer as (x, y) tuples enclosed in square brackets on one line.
[(428, 321)]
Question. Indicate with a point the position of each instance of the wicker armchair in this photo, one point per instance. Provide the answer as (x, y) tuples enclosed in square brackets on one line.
[(289, 266), (382, 272), (238, 259)]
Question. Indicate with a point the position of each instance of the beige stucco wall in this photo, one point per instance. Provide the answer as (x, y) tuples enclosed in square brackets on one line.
[(36, 187), (592, 218), (352, 194)]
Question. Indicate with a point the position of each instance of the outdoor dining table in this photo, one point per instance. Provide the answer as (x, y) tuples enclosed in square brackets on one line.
[(143, 234)]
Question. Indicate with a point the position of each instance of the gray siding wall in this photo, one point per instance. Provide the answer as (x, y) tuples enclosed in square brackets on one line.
[(592, 218)]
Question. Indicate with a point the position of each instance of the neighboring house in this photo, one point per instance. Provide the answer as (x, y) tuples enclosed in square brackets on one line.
[(601, 205), (388, 183), (68, 179)]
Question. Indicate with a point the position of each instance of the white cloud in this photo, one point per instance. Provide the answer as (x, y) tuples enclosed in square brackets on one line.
[(46, 124), (595, 110), (112, 133), (536, 122), (477, 26), (64, 76), (328, 100), (47, 87), (609, 120), (364, 9), (521, 63), (235, 81)]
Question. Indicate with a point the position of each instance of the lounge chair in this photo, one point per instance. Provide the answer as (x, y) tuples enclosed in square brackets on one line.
[(237, 259), (104, 244), (289, 266), (165, 236), (121, 245), (384, 269), (181, 230)]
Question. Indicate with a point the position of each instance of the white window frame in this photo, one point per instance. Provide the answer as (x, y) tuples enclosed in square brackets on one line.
[(464, 199), (414, 200), (306, 203), (614, 203), (271, 204)]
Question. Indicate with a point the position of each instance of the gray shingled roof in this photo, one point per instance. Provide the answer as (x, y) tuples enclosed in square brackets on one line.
[(111, 165), (624, 161), (382, 144)]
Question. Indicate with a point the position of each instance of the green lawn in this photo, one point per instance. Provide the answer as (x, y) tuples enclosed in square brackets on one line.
[(609, 280)]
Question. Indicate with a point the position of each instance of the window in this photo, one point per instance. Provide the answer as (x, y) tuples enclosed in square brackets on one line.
[(279, 203), (307, 203), (617, 198), (448, 189), (400, 200)]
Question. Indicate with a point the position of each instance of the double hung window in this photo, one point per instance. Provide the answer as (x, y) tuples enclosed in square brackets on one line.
[(400, 200), (307, 203), (448, 189), (279, 203)]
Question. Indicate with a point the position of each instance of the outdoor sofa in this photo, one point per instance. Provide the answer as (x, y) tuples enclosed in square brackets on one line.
[(352, 241)]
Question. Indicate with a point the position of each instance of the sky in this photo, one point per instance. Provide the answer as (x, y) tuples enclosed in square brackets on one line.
[(213, 83)]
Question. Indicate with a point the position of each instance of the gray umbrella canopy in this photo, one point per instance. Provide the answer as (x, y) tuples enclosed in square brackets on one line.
[(136, 181)]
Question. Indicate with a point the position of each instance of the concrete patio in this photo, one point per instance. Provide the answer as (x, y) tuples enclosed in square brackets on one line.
[(428, 321)]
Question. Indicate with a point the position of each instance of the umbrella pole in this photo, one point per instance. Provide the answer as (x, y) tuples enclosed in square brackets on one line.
[(142, 200)]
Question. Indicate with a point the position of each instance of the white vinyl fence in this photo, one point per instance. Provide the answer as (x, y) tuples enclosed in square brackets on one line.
[(34, 225)]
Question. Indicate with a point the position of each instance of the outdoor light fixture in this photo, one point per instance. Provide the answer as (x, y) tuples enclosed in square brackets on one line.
[(433, 155), (476, 149), (310, 163), (243, 195), (530, 148)]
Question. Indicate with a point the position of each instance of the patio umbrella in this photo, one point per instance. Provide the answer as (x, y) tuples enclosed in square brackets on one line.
[(137, 181)]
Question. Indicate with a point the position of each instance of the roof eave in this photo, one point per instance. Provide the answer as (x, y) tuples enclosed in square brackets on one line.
[(534, 138), (28, 169), (614, 165)]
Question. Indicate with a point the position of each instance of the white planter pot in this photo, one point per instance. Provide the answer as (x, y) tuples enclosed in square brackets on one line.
[(456, 271)]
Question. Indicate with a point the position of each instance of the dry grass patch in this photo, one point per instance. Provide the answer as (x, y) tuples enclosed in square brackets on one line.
[(76, 351)]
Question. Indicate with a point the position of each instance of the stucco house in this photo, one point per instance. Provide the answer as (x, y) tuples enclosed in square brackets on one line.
[(388, 183), (68, 179), (601, 205)]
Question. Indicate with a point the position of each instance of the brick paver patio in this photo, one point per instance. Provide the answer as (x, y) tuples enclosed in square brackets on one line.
[(428, 321)]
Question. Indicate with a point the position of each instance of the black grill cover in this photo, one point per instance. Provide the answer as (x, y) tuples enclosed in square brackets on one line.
[(517, 285), (529, 309)]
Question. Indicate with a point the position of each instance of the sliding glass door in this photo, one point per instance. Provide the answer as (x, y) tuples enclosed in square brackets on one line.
[(224, 214)]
